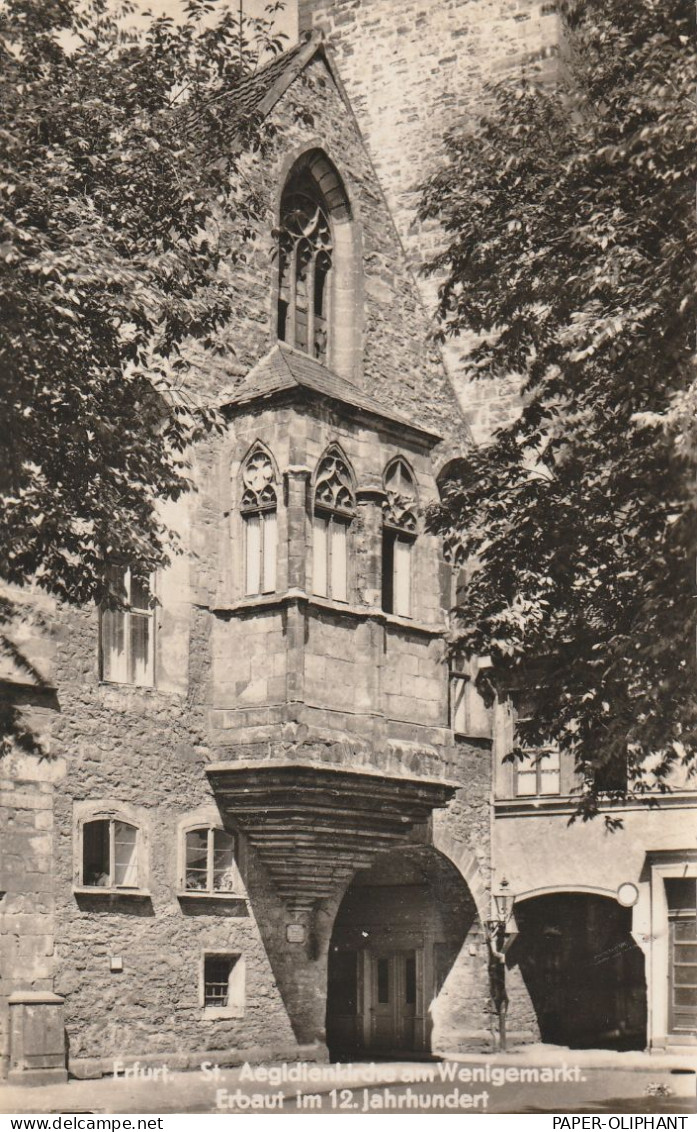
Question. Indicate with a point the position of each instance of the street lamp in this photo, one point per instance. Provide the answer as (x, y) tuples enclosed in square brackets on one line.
[(499, 940)]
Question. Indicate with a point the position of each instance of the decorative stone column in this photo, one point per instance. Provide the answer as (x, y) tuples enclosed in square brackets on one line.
[(369, 501), (296, 479), (37, 1039)]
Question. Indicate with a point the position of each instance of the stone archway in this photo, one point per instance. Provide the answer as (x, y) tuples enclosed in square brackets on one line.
[(582, 969), (404, 958)]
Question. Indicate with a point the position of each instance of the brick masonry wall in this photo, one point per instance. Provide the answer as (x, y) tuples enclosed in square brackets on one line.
[(413, 69)]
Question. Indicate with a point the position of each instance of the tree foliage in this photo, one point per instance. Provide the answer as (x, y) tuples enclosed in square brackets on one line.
[(120, 142), (570, 253)]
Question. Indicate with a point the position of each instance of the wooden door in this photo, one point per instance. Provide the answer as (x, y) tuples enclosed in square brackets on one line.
[(393, 999)]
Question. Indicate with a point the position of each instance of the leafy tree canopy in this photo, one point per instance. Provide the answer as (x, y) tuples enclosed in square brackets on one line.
[(116, 151), (570, 253)]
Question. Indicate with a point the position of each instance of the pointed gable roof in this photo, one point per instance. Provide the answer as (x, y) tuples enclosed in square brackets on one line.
[(257, 94), (285, 370)]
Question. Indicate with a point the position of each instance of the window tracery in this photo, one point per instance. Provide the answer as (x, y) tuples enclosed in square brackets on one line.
[(305, 263)]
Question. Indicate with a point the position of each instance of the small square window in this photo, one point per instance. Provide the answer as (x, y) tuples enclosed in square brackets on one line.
[(223, 985)]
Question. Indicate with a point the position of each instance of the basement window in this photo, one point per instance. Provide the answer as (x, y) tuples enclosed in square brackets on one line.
[(223, 985)]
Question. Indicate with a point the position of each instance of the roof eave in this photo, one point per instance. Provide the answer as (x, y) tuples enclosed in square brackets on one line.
[(425, 436)]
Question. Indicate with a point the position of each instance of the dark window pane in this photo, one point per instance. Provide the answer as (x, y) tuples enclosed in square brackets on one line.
[(140, 594), (388, 541), (321, 276), (383, 966), (282, 319), (410, 980), (686, 929), (681, 893), (95, 853), (216, 981)]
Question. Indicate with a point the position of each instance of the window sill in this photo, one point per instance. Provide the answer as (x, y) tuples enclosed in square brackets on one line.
[(112, 893), (103, 683), (221, 1013), (331, 605), (197, 894)]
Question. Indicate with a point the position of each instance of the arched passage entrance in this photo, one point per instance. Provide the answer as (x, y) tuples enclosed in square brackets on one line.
[(398, 934), (582, 969)]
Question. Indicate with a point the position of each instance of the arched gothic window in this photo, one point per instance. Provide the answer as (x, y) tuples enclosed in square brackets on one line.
[(334, 507), (398, 535), (305, 263), (259, 507)]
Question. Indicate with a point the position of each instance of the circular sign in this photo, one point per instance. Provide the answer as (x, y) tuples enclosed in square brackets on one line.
[(627, 894)]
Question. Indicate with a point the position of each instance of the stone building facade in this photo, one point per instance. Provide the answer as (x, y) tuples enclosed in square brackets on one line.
[(254, 830), (413, 70), (270, 818)]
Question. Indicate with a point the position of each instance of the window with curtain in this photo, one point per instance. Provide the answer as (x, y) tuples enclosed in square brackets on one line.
[(334, 508), (259, 513), (209, 861), (109, 854), (398, 537), (305, 264), (127, 645)]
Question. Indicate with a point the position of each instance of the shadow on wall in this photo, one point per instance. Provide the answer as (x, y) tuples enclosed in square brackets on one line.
[(583, 971)]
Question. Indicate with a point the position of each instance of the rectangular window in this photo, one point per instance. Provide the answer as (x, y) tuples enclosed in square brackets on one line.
[(223, 989), (330, 557), (128, 635), (396, 573), (210, 861), (458, 704), (260, 553), (611, 777), (109, 854), (538, 773), (681, 897), (218, 970)]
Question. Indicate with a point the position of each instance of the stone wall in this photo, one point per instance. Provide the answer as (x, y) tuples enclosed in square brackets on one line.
[(129, 966), (413, 69)]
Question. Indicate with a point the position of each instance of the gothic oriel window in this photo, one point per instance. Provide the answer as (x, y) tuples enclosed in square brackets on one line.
[(259, 511), (305, 264), (398, 536), (334, 507)]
